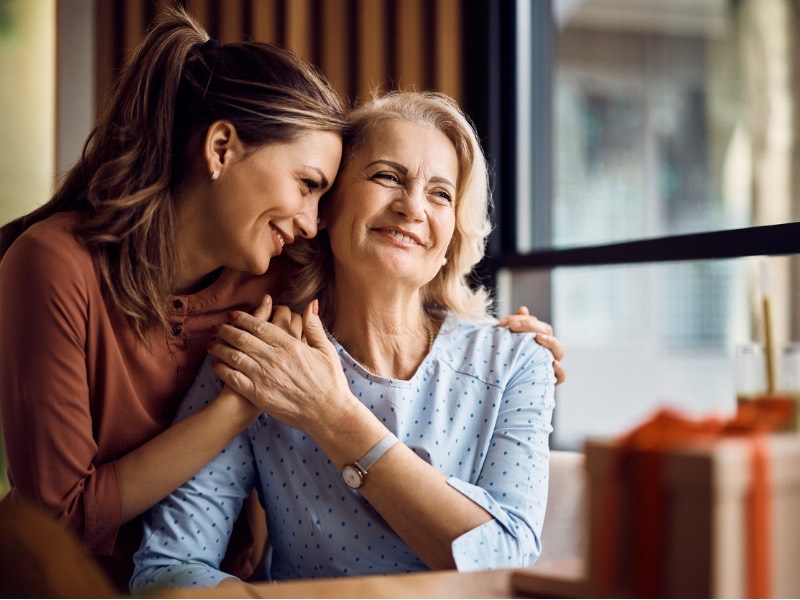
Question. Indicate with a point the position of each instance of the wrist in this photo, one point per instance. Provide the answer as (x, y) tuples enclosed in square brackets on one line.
[(236, 407), (348, 432)]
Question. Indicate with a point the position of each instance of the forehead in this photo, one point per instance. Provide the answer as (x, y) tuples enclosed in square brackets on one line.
[(412, 145), (317, 145), (318, 150)]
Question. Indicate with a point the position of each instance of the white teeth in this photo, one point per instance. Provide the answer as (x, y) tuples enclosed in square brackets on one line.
[(280, 237), (402, 237)]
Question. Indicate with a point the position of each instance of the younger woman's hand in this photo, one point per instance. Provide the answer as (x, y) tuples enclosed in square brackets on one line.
[(524, 321), (299, 382)]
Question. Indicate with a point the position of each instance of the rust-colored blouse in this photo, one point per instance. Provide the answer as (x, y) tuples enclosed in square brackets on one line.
[(78, 389)]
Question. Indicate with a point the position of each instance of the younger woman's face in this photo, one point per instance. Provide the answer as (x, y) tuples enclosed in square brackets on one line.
[(267, 198)]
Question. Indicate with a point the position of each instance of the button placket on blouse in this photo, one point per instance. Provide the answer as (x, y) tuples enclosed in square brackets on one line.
[(177, 311)]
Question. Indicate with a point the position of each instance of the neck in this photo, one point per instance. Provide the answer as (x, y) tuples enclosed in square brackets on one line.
[(385, 330), (197, 266)]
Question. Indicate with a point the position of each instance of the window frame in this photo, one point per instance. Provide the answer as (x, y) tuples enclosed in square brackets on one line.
[(491, 78)]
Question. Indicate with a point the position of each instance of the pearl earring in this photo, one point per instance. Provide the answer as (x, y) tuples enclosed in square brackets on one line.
[(444, 261), (215, 175)]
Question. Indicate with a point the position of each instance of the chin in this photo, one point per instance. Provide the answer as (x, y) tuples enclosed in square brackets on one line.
[(258, 266)]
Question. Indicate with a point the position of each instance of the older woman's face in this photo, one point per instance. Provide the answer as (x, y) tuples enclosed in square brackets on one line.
[(393, 212)]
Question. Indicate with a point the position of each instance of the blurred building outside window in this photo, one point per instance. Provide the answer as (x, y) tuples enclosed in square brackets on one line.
[(669, 117)]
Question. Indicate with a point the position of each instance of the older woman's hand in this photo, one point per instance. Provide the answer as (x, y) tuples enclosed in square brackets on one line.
[(524, 321), (298, 381)]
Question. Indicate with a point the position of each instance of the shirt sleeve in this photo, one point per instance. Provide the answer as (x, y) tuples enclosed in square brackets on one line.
[(44, 390), (512, 486), (187, 533)]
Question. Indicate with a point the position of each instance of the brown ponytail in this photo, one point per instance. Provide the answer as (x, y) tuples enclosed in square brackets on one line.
[(172, 88)]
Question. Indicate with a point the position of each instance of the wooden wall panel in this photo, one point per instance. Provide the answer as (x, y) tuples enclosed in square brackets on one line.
[(360, 45), (105, 49), (264, 21), (409, 44), (335, 45), (134, 16), (447, 47), (231, 23), (298, 28), (372, 67)]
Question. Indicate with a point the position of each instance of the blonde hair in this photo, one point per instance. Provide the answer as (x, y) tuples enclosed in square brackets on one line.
[(450, 289), (175, 85)]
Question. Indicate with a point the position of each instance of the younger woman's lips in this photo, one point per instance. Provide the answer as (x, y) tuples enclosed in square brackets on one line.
[(276, 241)]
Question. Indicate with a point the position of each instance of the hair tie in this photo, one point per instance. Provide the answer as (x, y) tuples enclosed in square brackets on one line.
[(209, 44)]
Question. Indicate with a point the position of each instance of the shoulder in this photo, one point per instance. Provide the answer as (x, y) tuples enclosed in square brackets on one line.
[(490, 353), (53, 243), (49, 255)]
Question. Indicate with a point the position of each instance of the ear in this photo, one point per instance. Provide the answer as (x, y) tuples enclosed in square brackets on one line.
[(222, 147)]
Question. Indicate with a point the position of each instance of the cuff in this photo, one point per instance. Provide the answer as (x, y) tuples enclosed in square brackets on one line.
[(483, 499), (503, 542), (103, 509)]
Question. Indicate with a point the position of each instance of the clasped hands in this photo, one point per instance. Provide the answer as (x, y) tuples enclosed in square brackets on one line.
[(284, 364)]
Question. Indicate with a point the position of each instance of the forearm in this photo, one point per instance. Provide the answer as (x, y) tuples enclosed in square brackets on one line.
[(411, 495), (155, 469)]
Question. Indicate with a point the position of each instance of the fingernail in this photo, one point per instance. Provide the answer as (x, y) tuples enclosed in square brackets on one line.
[(543, 336), (233, 315), (211, 345), (215, 329), (315, 307), (269, 298)]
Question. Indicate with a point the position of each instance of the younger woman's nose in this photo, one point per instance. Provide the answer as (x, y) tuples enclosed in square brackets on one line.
[(305, 223)]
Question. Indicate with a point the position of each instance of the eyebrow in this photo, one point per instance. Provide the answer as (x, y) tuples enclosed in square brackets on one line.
[(324, 182), (404, 171)]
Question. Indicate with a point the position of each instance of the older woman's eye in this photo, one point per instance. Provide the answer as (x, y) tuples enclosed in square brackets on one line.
[(444, 195), (387, 176)]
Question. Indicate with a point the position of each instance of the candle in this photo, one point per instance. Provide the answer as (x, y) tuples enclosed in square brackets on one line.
[(768, 350)]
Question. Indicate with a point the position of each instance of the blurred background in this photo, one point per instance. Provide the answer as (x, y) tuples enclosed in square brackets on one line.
[(606, 121)]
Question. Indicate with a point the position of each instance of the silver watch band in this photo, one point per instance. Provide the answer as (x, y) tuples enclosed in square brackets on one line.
[(365, 463)]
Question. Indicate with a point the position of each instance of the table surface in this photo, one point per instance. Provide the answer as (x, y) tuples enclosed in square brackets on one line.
[(564, 578)]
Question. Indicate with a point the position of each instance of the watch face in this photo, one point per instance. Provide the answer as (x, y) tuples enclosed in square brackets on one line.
[(352, 477)]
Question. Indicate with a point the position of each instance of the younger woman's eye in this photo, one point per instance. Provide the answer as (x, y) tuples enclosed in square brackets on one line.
[(310, 184)]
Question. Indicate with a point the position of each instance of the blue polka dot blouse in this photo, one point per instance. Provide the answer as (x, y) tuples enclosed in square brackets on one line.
[(478, 409)]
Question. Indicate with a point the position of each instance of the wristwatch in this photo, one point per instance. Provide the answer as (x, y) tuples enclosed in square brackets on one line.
[(355, 474)]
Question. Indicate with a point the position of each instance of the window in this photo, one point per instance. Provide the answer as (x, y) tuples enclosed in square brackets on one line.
[(667, 131)]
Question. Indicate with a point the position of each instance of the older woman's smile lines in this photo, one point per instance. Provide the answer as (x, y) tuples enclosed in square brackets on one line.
[(400, 237)]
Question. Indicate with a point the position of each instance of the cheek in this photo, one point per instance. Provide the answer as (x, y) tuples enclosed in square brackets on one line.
[(447, 230)]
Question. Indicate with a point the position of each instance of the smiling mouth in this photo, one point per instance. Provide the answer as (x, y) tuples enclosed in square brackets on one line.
[(398, 235), (278, 235)]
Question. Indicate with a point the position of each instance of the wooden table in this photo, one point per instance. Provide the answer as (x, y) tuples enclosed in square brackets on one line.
[(562, 578)]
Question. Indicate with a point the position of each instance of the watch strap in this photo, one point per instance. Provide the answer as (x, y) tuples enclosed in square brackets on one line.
[(370, 458)]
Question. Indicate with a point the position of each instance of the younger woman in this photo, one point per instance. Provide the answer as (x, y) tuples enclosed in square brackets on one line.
[(208, 161)]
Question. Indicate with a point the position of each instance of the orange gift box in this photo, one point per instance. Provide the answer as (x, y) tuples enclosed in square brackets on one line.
[(688, 508)]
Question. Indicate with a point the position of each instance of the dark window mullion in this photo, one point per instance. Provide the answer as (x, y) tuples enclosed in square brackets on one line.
[(769, 240)]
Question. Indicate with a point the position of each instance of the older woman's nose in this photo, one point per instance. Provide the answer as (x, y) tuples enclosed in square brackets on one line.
[(411, 204)]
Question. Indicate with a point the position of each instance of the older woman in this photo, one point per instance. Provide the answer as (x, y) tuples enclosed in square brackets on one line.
[(415, 435)]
